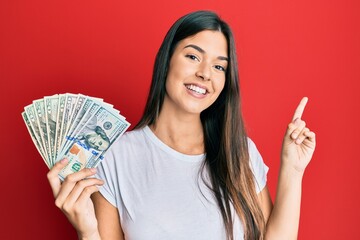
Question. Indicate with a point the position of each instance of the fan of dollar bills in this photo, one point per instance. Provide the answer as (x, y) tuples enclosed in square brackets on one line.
[(73, 126)]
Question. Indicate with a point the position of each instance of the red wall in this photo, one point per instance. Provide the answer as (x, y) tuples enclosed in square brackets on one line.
[(287, 49)]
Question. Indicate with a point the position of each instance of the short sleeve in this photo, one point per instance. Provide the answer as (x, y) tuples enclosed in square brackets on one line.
[(105, 172), (258, 166)]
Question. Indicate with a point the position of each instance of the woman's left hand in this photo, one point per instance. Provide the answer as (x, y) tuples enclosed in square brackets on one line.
[(299, 142)]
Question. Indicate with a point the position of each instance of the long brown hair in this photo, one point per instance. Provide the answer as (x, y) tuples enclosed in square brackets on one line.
[(225, 139)]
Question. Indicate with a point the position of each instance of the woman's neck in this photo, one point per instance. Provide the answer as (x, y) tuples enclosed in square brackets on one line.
[(182, 132)]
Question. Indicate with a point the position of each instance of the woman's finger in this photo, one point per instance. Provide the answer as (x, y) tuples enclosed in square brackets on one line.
[(53, 177), (294, 129), (300, 108), (79, 188), (299, 140), (85, 196), (70, 182), (310, 137), (299, 126)]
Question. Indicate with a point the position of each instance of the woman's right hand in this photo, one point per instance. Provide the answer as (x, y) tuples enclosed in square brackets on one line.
[(72, 196)]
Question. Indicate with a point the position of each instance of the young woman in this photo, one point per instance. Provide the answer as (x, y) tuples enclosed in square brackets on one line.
[(188, 170)]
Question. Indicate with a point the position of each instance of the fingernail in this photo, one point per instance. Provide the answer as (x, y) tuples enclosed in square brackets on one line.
[(64, 160), (93, 170)]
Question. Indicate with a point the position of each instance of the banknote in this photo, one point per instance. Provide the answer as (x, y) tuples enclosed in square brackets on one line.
[(30, 112), (80, 101), (95, 136), (39, 108), (59, 117), (51, 107), (90, 112), (73, 126), (33, 137), (79, 115), (70, 101)]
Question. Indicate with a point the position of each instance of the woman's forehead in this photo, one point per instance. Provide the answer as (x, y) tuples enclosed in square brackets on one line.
[(209, 41)]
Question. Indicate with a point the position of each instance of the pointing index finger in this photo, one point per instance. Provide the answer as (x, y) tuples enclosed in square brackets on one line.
[(300, 108)]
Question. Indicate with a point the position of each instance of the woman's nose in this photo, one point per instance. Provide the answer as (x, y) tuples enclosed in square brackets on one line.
[(204, 71)]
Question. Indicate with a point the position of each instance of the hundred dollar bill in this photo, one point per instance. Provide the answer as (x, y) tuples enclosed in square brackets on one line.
[(51, 107), (90, 108), (93, 139), (33, 137), (77, 109), (76, 119), (90, 112), (65, 122), (75, 126), (60, 113), (39, 108), (30, 112), (80, 101)]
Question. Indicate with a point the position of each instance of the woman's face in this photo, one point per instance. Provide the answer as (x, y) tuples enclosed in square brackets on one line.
[(197, 72)]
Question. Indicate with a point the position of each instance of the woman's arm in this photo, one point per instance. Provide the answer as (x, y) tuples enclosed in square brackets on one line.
[(93, 218), (284, 219), (72, 197), (298, 147), (108, 218)]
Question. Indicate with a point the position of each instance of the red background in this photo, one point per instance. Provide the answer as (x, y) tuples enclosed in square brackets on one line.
[(286, 49)]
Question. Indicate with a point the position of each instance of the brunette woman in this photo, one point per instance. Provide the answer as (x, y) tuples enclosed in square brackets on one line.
[(188, 169)]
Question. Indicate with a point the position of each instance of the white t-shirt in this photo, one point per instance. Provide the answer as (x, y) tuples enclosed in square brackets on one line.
[(158, 191)]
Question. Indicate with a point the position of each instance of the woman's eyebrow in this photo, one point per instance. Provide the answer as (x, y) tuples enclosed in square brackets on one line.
[(203, 51)]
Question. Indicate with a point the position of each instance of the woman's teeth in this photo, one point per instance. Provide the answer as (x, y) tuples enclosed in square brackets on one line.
[(196, 89)]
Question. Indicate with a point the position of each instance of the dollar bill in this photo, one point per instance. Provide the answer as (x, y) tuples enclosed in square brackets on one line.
[(80, 101), (90, 107), (39, 108), (92, 140), (70, 101), (51, 107), (78, 127), (60, 113), (90, 112), (76, 120), (30, 112), (33, 137)]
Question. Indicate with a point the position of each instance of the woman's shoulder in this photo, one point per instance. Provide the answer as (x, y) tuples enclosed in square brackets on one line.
[(126, 146), (251, 146), (254, 154), (129, 138), (258, 166), (134, 133)]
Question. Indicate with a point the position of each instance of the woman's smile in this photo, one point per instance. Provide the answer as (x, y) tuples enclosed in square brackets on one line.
[(196, 89)]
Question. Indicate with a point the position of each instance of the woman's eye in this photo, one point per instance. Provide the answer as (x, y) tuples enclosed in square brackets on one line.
[(192, 57), (221, 68)]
